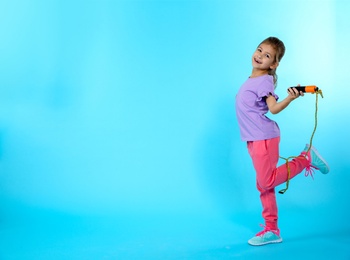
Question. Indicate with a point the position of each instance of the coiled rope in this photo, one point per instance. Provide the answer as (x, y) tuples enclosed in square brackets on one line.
[(317, 92)]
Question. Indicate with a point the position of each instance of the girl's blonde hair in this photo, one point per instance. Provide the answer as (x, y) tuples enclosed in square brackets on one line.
[(280, 49)]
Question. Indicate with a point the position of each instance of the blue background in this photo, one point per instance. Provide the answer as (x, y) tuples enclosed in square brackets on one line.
[(118, 135)]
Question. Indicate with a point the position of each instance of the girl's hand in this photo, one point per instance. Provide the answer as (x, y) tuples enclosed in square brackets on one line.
[(293, 93), (276, 107)]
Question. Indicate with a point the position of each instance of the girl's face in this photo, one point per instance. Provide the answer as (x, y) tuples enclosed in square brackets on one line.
[(264, 57)]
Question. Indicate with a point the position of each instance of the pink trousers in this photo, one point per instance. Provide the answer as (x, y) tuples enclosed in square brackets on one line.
[(265, 156)]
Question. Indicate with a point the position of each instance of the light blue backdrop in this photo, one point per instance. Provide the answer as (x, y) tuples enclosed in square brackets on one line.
[(128, 106)]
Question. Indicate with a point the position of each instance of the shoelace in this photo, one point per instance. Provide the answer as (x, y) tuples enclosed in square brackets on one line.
[(309, 171), (267, 229)]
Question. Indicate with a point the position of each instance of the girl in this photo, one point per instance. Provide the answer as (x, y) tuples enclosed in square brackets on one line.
[(254, 99)]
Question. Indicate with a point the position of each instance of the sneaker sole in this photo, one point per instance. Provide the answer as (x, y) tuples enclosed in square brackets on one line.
[(267, 242)]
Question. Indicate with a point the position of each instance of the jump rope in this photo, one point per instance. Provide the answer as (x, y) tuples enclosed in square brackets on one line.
[(306, 89)]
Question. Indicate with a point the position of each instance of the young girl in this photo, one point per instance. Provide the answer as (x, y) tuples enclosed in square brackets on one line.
[(254, 99)]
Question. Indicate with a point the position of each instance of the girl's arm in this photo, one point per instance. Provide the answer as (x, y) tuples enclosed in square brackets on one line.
[(276, 107)]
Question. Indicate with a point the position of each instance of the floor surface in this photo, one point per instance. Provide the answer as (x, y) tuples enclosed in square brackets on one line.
[(49, 235)]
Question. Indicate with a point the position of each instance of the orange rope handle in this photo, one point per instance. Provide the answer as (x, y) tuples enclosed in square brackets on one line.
[(311, 89)]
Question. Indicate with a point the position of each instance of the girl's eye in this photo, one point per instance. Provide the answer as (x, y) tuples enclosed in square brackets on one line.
[(259, 50), (267, 56)]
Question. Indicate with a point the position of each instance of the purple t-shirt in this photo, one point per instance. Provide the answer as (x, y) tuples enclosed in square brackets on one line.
[(251, 108)]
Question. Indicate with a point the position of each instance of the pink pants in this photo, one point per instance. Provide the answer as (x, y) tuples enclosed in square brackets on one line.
[(265, 156)]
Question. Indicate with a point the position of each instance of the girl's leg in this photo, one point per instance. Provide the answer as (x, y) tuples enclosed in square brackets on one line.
[(296, 166), (270, 210), (265, 155)]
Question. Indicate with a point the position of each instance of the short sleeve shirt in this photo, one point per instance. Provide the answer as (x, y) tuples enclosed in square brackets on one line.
[(251, 109)]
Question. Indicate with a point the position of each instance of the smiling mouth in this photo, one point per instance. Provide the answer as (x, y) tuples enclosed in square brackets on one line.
[(257, 61)]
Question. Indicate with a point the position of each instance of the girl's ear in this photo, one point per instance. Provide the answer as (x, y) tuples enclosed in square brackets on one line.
[(274, 66)]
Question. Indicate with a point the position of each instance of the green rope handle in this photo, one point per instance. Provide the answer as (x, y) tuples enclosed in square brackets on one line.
[(312, 136)]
